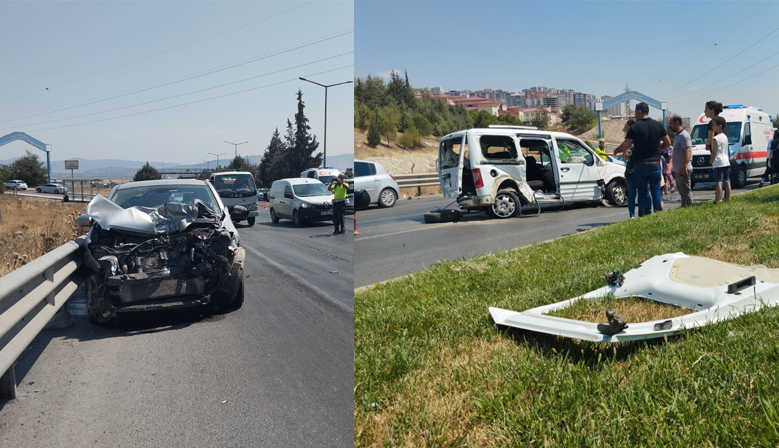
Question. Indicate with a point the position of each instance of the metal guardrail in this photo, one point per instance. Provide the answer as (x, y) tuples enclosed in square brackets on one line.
[(29, 297), (417, 180)]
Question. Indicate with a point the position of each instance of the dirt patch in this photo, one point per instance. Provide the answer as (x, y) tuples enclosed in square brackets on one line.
[(612, 131)]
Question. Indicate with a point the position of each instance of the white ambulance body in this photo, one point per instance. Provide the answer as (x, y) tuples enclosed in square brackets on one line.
[(749, 130)]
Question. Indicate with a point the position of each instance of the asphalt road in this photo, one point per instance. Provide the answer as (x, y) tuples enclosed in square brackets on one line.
[(395, 242), (276, 372)]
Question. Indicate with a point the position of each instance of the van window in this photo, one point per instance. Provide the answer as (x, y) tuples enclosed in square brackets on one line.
[(577, 153), (449, 152), (538, 150), (734, 132), (362, 169), (498, 147), (288, 192)]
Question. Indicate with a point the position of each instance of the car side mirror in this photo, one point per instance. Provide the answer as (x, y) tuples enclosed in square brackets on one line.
[(288, 195), (84, 221)]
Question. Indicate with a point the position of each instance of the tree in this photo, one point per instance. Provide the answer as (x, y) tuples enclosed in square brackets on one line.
[(374, 131), (541, 119), (147, 172), (422, 124), (305, 143), (482, 118), (29, 169), (410, 138), (270, 166), (389, 123), (579, 118)]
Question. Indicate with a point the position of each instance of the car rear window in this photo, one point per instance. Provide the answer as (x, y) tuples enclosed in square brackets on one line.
[(498, 147)]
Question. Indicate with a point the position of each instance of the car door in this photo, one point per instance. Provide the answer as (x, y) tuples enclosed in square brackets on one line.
[(285, 202), (578, 171), (365, 178), (450, 165)]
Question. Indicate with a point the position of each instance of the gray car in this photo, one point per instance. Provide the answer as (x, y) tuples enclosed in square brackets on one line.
[(380, 185), (301, 200), (161, 244), (15, 185), (51, 188)]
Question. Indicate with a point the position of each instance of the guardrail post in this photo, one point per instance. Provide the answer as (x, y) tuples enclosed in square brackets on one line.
[(8, 384)]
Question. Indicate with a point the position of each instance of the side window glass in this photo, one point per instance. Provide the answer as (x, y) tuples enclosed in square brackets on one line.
[(571, 151), (288, 192), (371, 168), (361, 169), (498, 147)]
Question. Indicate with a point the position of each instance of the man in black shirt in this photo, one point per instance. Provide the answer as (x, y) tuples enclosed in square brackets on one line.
[(649, 140)]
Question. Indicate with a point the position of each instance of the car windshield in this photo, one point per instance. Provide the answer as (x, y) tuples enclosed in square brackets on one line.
[(326, 179), (158, 195), (308, 190), (701, 132), (241, 183)]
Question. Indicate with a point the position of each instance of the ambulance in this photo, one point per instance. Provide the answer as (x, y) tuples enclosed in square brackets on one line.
[(749, 130), (322, 174)]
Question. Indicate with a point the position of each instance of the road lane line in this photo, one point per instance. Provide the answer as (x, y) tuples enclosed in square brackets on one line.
[(327, 297)]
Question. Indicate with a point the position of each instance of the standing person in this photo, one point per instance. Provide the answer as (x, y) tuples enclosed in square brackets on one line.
[(339, 189), (711, 110), (773, 156), (650, 140), (601, 149), (681, 160), (629, 175), (719, 158), (668, 165)]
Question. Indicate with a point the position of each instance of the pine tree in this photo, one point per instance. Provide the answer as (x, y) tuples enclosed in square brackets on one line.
[(305, 143), (374, 131), (270, 169), (147, 172)]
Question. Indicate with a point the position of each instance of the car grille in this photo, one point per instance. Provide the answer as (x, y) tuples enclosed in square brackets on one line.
[(701, 161), (323, 207)]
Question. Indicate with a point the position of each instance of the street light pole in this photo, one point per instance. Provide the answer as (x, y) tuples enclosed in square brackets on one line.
[(217, 158), (236, 146), (208, 162), (324, 153)]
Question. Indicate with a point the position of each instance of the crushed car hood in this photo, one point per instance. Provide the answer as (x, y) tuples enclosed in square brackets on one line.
[(171, 217)]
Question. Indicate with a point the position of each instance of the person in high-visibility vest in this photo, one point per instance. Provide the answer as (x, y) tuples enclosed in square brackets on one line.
[(601, 149), (265, 194)]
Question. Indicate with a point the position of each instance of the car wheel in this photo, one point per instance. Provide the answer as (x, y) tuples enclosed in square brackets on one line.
[(740, 178), (387, 198), (616, 193), (273, 217), (38, 190), (296, 219), (250, 221), (56, 192), (506, 205), (442, 216)]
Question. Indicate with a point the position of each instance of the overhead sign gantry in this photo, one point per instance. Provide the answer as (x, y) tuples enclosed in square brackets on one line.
[(34, 142)]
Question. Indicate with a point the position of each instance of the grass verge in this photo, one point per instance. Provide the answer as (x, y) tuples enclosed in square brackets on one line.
[(431, 369)]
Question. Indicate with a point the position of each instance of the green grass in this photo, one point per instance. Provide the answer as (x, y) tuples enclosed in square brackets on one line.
[(432, 369)]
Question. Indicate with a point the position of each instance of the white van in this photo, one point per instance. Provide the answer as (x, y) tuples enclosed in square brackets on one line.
[(301, 200), (502, 168), (324, 175), (749, 130), (236, 188)]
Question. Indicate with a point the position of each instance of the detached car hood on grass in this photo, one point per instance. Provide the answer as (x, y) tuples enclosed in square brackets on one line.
[(171, 217), (715, 290)]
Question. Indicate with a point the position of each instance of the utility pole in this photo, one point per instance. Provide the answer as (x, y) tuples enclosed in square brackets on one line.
[(324, 153), (207, 163), (217, 158), (236, 146)]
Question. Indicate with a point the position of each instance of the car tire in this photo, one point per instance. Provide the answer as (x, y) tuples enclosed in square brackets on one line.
[(250, 221), (38, 190), (296, 219), (616, 193), (506, 205), (441, 216), (739, 179), (387, 198), (56, 192), (273, 217)]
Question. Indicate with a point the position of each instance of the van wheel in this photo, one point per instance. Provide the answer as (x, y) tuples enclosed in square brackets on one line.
[(442, 216), (506, 205), (38, 190), (273, 217), (296, 219), (387, 198), (616, 192), (740, 178), (250, 221)]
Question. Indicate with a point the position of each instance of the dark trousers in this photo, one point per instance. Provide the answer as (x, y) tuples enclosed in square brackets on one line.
[(339, 210)]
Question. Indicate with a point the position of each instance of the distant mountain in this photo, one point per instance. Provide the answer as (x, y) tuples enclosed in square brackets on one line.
[(119, 168)]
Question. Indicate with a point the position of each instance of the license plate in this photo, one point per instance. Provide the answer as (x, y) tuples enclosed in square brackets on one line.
[(700, 176), (325, 213)]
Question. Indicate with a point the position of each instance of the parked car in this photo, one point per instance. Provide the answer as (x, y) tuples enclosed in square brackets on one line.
[(51, 188), (380, 185), (349, 195), (501, 168), (161, 244), (15, 185), (301, 200)]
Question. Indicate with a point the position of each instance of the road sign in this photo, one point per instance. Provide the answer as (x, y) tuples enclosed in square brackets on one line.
[(71, 164)]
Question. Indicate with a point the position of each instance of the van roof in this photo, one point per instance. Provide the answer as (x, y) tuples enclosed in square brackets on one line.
[(299, 181), (509, 131), (737, 113)]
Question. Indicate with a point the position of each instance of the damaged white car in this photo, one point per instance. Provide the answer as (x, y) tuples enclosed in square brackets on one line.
[(711, 290), (161, 244)]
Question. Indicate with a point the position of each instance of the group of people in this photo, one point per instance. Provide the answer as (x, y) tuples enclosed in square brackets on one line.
[(655, 165)]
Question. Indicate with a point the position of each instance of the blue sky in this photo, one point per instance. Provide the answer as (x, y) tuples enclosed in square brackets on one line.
[(89, 51), (665, 50)]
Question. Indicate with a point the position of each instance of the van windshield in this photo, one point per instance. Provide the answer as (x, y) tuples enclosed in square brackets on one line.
[(234, 185), (308, 190), (700, 133), (326, 179)]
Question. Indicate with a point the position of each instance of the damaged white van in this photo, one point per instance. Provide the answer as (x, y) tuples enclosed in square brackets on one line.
[(749, 130), (502, 168)]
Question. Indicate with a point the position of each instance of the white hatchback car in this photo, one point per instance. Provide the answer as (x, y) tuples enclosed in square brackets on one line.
[(501, 168), (51, 188), (380, 185), (15, 185)]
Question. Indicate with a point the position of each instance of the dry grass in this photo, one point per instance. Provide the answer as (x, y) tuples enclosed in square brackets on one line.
[(406, 192), (634, 309), (30, 227)]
